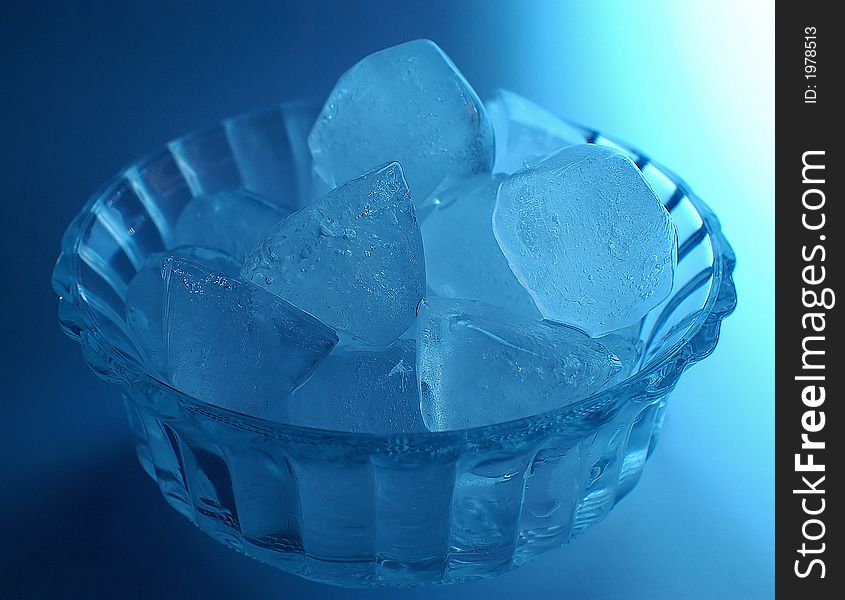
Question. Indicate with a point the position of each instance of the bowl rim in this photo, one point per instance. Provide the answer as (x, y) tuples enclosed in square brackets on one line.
[(580, 417)]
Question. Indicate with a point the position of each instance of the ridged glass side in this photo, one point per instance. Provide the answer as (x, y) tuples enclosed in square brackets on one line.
[(372, 518), (355, 509)]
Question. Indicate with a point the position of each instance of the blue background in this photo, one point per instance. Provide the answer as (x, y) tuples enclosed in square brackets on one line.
[(88, 89)]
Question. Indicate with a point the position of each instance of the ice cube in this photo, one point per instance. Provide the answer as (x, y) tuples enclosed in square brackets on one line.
[(353, 259), (587, 237), (479, 365), (462, 257), (145, 297), (371, 391), (408, 104), (233, 221), (525, 131), (233, 344)]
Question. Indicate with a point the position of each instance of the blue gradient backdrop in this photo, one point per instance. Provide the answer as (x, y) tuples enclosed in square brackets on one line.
[(89, 88)]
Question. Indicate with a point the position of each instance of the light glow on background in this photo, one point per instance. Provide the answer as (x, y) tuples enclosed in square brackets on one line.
[(692, 84), (95, 87)]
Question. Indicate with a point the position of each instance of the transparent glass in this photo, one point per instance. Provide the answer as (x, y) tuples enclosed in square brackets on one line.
[(355, 509)]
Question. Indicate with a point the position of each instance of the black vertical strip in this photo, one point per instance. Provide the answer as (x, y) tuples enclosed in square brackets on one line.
[(809, 370)]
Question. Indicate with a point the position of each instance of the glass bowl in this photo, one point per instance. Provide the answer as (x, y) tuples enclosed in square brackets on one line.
[(355, 509)]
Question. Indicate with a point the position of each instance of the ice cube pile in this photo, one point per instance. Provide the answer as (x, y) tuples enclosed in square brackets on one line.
[(465, 264)]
